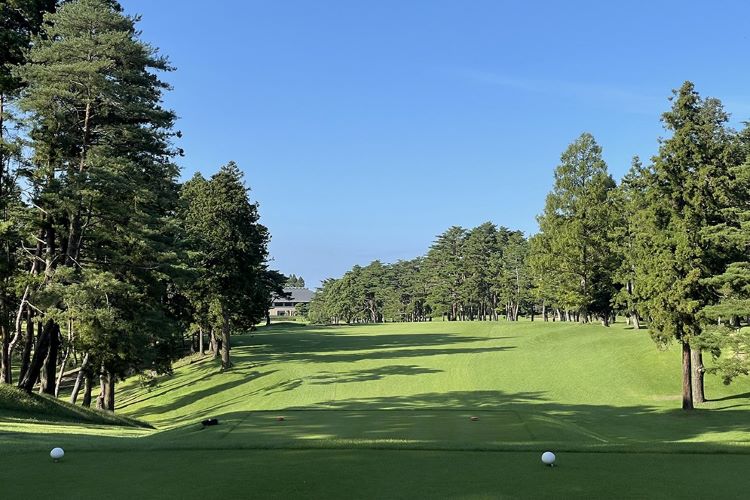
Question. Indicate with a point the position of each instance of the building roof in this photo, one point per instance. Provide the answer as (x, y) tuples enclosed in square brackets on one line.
[(299, 294)]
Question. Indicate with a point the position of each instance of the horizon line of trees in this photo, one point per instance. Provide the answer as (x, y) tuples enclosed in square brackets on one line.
[(669, 246), (109, 267)]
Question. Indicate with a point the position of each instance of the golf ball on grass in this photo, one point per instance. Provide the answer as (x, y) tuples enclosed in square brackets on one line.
[(56, 454), (548, 458)]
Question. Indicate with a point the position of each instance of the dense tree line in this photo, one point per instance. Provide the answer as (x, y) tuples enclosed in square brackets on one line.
[(668, 246), (473, 274), (107, 261)]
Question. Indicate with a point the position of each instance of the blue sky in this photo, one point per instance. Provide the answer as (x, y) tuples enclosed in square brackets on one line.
[(367, 128)]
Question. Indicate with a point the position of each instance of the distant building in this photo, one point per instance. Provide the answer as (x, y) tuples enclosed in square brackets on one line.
[(287, 307)]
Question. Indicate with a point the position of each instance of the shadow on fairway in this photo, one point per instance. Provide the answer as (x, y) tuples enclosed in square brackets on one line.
[(504, 422), (745, 395), (194, 396), (332, 347)]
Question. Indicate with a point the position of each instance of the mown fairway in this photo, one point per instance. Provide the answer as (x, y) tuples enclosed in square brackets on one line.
[(385, 411)]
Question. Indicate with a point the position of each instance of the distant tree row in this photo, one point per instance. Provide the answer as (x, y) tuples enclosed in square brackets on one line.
[(472, 274), (668, 246), (106, 259)]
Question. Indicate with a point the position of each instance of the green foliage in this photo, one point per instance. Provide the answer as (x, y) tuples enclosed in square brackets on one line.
[(232, 287), (295, 281), (103, 182), (571, 255), (684, 196), (465, 275)]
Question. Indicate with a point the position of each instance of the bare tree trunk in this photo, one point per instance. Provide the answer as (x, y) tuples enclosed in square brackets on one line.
[(687, 390), (110, 399), (101, 399), (61, 371), (48, 375), (696, 361), (226, 363), (215, 343), (88, 381), (64, 362), (80, 378), (6, 376), (29, 379), (28, 344), (635, 320), (201, 348)]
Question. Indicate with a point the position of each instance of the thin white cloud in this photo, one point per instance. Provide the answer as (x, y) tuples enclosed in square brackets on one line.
[(627, 100)]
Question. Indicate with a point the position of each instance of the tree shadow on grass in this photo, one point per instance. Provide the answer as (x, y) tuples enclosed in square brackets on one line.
[(352, 376), (327, 347), (503, 421), (195, 396), (745, 395)]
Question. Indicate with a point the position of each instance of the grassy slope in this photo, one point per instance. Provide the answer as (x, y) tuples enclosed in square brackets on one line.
[(576, 389), (17, 407)]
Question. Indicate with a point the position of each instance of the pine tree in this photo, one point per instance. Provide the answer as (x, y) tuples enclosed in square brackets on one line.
[(230, 253), (445, 273), (572, 249), (685, 195), (103, 182), (19, 21)]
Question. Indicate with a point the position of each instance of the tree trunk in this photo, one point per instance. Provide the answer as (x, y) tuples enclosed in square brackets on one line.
[(79, 379), (48, 375), (61, 371), (215, 343), (696, 361), (6, 377), (87, 383), (110, 399), (28, 344), (687, 390), (201, 348), (101, 400), (226, 363), (40, 353), (635, 321)]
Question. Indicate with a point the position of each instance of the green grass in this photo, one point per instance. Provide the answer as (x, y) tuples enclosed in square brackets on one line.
[(17, 406), (384, 411)]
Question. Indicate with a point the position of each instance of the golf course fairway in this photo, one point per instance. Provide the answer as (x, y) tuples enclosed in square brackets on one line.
[(431, 410)]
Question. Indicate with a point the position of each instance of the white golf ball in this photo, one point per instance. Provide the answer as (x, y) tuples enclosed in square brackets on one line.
[(56, 453), (548, 458)]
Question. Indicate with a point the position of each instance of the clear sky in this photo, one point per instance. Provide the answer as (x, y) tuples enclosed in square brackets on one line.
[(365, 128)]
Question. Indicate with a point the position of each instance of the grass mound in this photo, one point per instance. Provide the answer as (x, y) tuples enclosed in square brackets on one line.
[(17, 405)]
